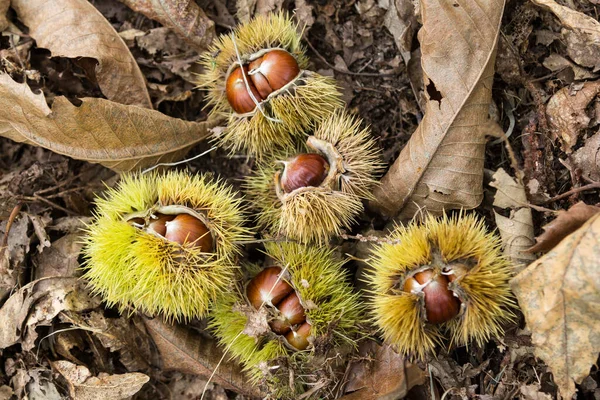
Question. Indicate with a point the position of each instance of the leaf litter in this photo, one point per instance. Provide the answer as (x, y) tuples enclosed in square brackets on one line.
[(544, 97)]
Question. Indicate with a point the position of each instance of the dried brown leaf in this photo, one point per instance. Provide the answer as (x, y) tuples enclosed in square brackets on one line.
[(74, 28), (4, 4), (117, 136), (441, 166), (587, 158), (559, 295), (381, 373), (183, 16), (401, 21), (564, 224), (13, 255), (566, 113), (555, 62), (185, 351), (61, 259), (581, 33), (516, 231), (84, 386)]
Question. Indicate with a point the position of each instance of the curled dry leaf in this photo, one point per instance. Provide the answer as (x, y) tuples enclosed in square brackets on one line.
[(516, 230), (566, 113), (185, 351), (183, 16), (564, 224), (381, 373), (581, 33), (587, 158), (117, 136), (84, 386), (441, 166), (36, 304), (74, 28), (559, 295)]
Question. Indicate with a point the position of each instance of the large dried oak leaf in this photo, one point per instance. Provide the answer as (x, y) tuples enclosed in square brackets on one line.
[(441, 167), (560, 298), (74, 28), (117, 136)]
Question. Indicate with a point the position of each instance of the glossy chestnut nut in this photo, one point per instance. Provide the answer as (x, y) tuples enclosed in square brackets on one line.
[(273, 70), (158, 224), (299, 338), (237, 94), (267, 288), (303, 170), (440, 303), (292, 313), (185, 229)]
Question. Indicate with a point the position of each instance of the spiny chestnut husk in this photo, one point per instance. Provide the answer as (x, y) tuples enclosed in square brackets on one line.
[(444, 279), (322, 311), (164, 244), (291, 99), (317, 192)]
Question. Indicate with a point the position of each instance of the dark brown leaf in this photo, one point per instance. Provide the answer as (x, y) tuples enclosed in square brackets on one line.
[(185, 351)]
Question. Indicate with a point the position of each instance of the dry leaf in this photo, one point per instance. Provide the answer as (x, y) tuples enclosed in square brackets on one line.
[(533, 392), (183, 16), (566, 113), (587, 158), (4, 4), (559, 295), (564, 224), (74, 28), (61, 259), (581, 33), (13, 255), (401, 21), (35, 384), (381, 373), (555, 62), (115, 135), (516, 231), (36, 304), (185, 351), (441, 166), (84, 386)]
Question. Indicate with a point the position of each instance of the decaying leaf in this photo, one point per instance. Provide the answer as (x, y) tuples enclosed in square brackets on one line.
[(183, 16), (441, 166), (4, 4), (555, 63), (559, 295), (516, 230), (117, 136), (35, 384), (185, 351), (61, 259), (581, 33), (84, 386), (401, 21), (75, 29), (564, 224), (12, 257), (36, 304), (566, 113), (381, 373), (587, 158)]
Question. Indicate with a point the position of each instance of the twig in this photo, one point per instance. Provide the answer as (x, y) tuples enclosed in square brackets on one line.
[(36, 197), (591, 186), (341, 71)]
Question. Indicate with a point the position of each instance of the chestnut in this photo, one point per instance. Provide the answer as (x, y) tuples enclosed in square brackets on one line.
[(185, 228), (303, 170), (440, 303), (292, 313), (299, 338), (266, 287), (237, 93), (276, 69), (158, 224)]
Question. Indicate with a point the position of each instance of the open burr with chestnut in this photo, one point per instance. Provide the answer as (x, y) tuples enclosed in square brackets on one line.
[(291, 317), (443, 282), (164, 244), (257, 78), (315, 193)]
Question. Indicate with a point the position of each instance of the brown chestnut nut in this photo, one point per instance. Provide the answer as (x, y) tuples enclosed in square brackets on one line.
[(292, 313), (303, 170), (237, 94), (185, 228), (440, 303), (299, 337), (276, 69), (267, 288), (158, 224)]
